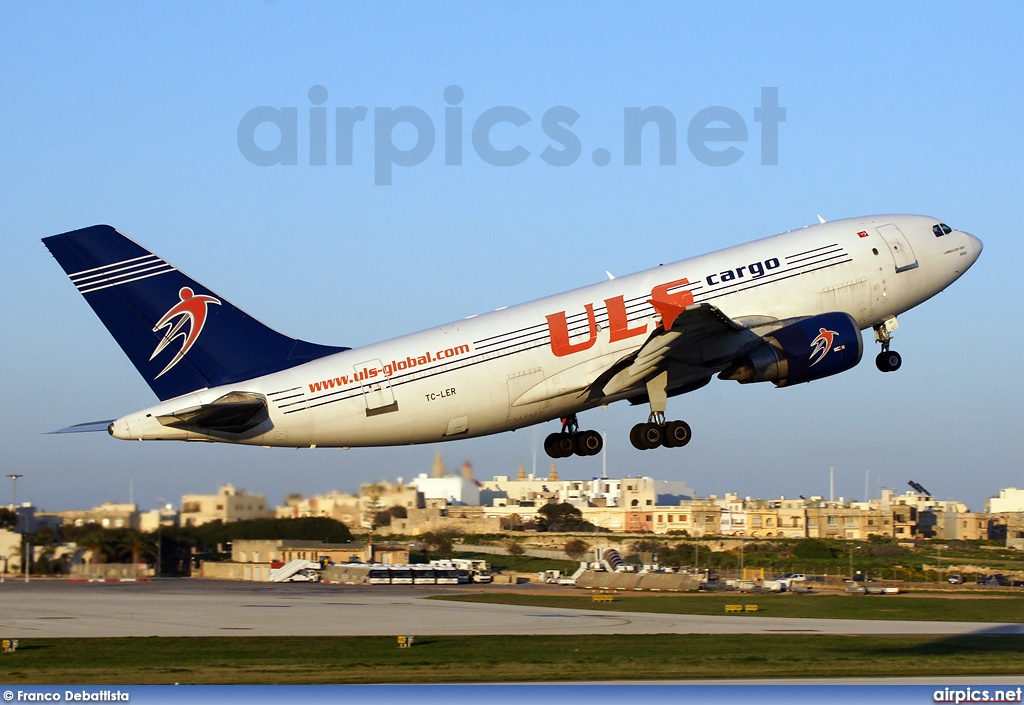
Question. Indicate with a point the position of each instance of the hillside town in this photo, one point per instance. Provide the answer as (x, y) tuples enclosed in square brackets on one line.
[(457, 502)]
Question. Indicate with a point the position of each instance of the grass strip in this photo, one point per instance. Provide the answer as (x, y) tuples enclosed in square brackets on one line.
[(895, 607), (450, 659)]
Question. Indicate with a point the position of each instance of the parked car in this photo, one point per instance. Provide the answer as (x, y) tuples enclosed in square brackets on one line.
[(956, 579), (994, 580), (787, 579)]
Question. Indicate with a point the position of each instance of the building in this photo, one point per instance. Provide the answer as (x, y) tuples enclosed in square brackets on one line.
[(228, 505), (792, 518), (962, 526), (1010, 500), (340, 506), (377, 496), (733, 519), (10, 551), (109, 515), (278, 552), (841, 519), (155, 518), (454, 489), (696, 517), (440, 517)]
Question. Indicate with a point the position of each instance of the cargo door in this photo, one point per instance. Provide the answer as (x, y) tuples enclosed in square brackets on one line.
[(376, 388), (899, 247)]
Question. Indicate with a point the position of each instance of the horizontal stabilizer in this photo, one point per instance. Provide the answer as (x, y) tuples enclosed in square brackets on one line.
[(88, 427)]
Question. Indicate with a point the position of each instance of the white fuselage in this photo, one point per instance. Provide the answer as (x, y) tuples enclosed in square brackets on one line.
[(511, 368)]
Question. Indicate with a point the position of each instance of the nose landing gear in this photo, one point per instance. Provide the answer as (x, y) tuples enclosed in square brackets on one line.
[(887, 360), (571, 441)]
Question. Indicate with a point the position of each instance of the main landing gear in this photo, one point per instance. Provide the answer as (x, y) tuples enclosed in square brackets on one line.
[(571, 441), (658, 432), (887, 360)]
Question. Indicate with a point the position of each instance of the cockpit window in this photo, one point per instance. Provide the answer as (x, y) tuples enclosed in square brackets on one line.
[(941, 229)]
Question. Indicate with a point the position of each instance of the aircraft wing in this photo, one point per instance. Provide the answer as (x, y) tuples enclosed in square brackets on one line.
[(700, 341)]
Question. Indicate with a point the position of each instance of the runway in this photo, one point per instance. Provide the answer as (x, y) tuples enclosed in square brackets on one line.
[(191, 607)]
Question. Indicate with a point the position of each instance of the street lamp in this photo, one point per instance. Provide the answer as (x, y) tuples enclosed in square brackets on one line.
[(14, 490), (851, 560)]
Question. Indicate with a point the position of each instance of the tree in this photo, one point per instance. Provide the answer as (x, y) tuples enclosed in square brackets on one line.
[(134, 546), (576, 548), (812, 548), (325, 529), (562, 517), (8, 518), (648, 546), (439, 544), (514, 548), (682, 554)]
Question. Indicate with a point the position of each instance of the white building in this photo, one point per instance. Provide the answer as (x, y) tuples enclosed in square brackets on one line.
[(452, 489), (1010, 500), (152, 520), (733, 520)]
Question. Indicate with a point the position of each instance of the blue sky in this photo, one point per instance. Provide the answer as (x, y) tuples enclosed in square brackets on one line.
[(128, 114)]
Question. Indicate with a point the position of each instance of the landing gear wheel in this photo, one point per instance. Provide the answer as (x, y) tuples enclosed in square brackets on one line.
[(634, 436), (589, 443), (651, 435), (551, 445), (677, 434), (888, 361), (560, 445), (566, 445)]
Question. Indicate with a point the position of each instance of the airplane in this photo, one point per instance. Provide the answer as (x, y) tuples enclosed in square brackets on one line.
[(785, 309)]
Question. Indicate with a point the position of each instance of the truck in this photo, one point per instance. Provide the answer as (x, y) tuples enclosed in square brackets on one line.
[(478, 570)]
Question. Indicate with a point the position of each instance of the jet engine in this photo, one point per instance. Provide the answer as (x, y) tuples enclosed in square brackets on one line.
[(810, 349)]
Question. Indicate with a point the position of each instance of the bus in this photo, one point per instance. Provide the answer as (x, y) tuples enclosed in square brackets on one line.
[(446, 576), (400, 575), (423, 575), (379, 575)]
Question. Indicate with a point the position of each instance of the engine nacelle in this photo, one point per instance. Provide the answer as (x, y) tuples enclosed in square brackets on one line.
[(810, 349)]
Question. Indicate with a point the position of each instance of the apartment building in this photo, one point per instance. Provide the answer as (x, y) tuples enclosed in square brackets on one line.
[(228, 505)]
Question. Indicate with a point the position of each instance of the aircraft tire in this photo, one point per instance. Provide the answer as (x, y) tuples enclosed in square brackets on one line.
[(677, 434), (551, 445), (888, 361), (589, 443), (634, 436), (566, 445), (651, 435)]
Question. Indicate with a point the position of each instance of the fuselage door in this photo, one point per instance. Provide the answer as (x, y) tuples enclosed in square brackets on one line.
[(376, 387), (899, 247)]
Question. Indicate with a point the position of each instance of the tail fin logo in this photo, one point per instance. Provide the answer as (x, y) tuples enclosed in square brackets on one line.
[(822, 344), (189, 311)]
